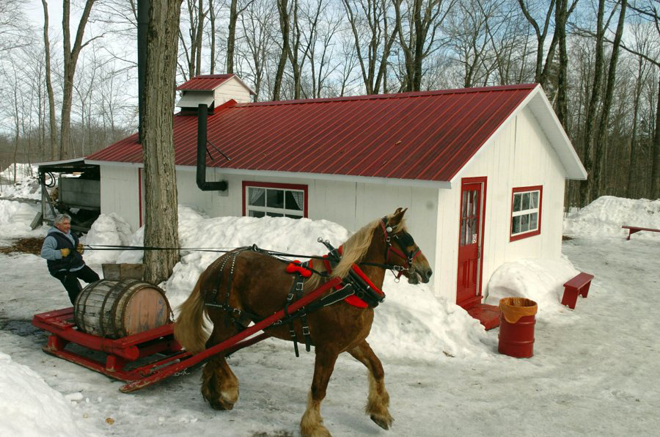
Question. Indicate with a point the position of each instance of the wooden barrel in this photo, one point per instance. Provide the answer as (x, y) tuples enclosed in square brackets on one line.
[(116, 309)]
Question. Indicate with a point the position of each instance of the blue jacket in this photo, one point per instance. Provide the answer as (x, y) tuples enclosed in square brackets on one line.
[(50, 251)]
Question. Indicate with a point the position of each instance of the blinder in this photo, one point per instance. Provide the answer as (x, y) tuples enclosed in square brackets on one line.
[(404, 240)]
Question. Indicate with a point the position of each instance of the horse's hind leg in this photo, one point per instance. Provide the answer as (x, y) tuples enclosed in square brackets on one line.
[(378, 400), (311, 424), (219, 384)]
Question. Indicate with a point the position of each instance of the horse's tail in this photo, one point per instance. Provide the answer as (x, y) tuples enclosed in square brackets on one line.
[(189, 326)]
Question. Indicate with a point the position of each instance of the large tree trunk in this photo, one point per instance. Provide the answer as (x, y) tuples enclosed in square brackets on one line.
[(231, 35), (71, 54), (603, 128), (655, 150), (586, 187), (49, 87), (285, 22), (561, 15), (161, 218)]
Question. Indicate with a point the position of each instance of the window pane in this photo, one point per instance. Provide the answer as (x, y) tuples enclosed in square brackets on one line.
[(256, 196), (475, 204), (466, 203), (274, 214), (293, 216), (257, 213), (524, 223), (534, 221), (516, 225), (462, 233), (516, 202), (535, 199), (525, 201), (294, 200), (275, 198)]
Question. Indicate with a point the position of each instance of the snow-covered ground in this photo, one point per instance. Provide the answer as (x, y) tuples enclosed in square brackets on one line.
[(594, 370)]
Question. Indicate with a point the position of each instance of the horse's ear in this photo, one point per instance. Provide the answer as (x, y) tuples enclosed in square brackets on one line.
[(397, 216)]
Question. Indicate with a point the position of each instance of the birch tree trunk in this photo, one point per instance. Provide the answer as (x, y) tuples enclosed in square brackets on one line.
[(161, 218)]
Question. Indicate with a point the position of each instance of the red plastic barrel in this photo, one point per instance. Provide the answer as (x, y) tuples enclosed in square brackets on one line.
[(517, 321)]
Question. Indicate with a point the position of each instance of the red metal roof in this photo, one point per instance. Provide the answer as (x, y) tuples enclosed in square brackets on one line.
[(426, 136), (207, 82)]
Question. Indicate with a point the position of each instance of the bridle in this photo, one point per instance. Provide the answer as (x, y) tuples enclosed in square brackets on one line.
[(403, 240)]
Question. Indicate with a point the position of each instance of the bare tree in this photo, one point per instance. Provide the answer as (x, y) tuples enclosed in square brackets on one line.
[(256, 24), (374, 32), (161, 214), (418, 27), (49, 86), (11, 25), (587, 190), (602, 133), (285, 27), (71, 54), (192, 47)]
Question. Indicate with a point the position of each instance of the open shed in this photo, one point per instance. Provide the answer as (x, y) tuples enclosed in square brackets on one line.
[(481, 170)]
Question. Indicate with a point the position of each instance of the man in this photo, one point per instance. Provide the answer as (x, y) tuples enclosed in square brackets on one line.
[(63, 253)]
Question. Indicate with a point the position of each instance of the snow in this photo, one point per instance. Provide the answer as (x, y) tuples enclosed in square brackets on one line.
[(27, 185), (594, 370)]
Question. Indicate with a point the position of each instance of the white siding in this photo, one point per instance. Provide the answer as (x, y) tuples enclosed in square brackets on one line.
[(349, 204), (232, 89), (120, 193), (519, 155)]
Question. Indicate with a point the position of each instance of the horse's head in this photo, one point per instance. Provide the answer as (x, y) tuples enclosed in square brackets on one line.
[(402, 250)]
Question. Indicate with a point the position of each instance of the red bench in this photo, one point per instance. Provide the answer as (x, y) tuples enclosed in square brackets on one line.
[(578, 285), (633, 229)]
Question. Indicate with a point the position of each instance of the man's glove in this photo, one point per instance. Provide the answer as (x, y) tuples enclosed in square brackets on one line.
[(65, 252), (80, 248)]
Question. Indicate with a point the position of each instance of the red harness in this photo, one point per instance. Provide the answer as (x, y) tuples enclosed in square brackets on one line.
[(404, 241), (296, 267)]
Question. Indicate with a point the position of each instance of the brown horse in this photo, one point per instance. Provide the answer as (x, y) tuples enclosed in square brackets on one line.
[(246, 282)]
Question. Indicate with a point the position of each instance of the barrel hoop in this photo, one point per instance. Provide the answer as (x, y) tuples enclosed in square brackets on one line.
[(113, 291)]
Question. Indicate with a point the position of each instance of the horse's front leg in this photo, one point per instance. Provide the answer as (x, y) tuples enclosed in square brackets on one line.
[(311, 424), (378, 400)]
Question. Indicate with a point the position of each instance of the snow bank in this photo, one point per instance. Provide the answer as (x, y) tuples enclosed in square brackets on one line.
[(605, 216), (29, 407), (108, 230), (16, 218), (411, 321), (539, 280), (27, 184)]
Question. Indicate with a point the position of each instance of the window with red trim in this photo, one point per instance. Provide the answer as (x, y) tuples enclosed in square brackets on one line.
[(526, 212), (274, 200)]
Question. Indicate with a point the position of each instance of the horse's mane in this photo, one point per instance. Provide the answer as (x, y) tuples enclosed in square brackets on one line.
[(354, 249)]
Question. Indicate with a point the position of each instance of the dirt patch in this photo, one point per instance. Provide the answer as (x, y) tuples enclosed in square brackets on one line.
[(24, 245)]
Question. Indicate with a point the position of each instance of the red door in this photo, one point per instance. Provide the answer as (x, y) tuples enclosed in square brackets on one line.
[(470, 243)]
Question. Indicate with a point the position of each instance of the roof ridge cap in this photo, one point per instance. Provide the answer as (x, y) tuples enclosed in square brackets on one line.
[(402, 95)]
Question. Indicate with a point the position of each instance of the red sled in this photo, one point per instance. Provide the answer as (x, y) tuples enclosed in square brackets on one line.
[(121, 354)]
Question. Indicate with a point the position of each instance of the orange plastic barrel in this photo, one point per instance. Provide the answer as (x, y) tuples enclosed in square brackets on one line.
[(517, 321)]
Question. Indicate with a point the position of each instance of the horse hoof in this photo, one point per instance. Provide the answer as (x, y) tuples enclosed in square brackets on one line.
[(318, 432), (220, 403), (382, 421)]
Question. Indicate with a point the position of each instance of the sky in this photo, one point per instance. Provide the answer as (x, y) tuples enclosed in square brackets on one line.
[(594, 369)]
